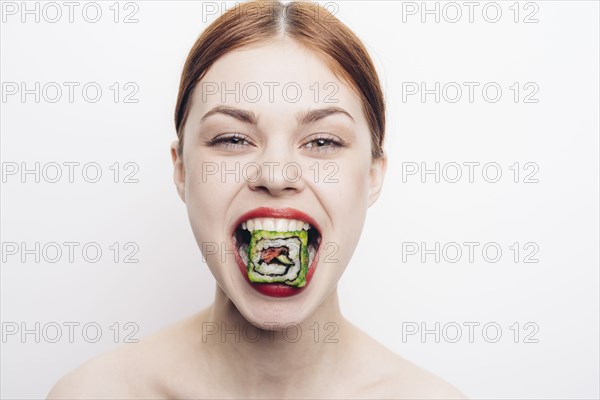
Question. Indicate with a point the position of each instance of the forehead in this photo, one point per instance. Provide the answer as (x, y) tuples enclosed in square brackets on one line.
[(279, 76)]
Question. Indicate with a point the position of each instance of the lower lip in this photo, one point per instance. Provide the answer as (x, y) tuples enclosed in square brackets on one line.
[(277, 289)]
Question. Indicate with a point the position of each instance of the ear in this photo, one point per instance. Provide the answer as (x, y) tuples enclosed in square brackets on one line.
[(377, 175), (178, 170)]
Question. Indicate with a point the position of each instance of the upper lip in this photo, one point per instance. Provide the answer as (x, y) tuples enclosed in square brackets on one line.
[(268, 212)]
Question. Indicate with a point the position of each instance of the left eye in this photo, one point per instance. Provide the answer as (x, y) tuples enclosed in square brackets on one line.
[(320, 142), (323, 143)]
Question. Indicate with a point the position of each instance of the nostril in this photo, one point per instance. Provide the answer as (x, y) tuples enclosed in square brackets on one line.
[(277, 178), (259, 188), (274, 189)]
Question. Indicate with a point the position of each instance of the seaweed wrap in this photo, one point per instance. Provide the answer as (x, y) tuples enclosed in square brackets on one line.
[(278, 257)]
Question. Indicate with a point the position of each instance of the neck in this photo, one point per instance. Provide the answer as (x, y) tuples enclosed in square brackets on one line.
[(291, 362)]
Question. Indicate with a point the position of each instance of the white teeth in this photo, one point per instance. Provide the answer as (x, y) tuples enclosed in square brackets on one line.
[(275, 224), (281, 225), (268, 224)]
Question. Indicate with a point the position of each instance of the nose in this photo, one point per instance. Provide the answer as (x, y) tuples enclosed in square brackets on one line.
[(276, 173)]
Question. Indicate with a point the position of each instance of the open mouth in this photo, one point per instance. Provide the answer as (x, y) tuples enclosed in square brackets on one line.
[(278, 252)]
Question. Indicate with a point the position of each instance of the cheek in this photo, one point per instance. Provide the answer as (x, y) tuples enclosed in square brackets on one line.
[(206, 184), (350, 192), (347, 201), (207, 195)]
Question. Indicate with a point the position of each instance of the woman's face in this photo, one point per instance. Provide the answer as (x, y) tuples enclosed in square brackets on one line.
[(274, 137)]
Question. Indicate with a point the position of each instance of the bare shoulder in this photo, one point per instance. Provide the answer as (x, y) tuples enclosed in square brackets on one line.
[(134, 370), (423, 384), (398, 377), (105, 376)]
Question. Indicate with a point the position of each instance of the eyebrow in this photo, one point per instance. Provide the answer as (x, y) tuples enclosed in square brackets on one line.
[(315, 115), (303, 118), (242, 115)]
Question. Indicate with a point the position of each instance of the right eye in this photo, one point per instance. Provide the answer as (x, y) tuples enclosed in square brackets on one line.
[(230, 141)]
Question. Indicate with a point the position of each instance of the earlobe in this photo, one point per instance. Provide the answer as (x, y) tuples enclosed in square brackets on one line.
[(376, 178), (178, 170)]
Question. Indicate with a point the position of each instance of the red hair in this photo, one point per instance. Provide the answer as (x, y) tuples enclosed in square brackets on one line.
[(309, 24)]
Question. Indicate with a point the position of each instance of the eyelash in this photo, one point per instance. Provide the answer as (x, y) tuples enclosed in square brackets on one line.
[(223, 141), (333, 141)]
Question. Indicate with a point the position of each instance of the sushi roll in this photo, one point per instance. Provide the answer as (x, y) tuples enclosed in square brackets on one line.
[(278, 257)]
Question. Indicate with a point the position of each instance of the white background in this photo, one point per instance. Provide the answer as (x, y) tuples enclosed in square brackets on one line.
[(379, 292)]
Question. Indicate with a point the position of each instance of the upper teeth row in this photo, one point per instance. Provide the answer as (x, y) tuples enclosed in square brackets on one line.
[(275, 224)]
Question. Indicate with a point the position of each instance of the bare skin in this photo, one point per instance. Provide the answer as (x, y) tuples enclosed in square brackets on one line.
[(182, 362), (330, 358)]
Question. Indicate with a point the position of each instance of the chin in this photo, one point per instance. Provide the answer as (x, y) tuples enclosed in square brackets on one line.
[(276, 313)]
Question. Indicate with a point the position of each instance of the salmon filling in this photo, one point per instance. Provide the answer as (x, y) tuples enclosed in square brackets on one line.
[(277, 257)]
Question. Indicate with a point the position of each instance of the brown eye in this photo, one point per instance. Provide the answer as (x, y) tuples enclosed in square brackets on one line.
[(324, 143), (230, 141)]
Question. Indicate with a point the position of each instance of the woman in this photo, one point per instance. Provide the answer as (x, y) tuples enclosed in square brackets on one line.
[(280, 121)]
